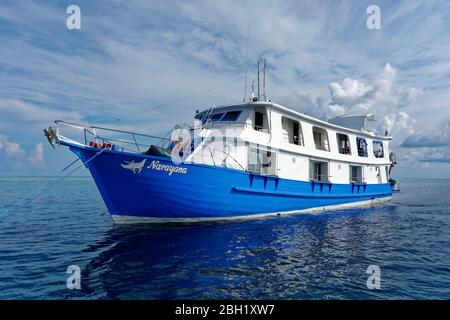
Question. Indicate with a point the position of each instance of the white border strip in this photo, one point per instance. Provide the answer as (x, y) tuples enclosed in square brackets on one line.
[(121, 219)]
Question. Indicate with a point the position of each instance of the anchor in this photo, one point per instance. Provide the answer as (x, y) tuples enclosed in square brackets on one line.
[(52, 134)]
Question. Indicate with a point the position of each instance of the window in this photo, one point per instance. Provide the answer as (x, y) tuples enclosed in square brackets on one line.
[(259, 120), (362, 146), (319, 171), (220, 116), (298, 137), (262, 161), (321, 139), (378, 151), (254, 163), (292, 131), (356, 174), (231, 116), (217, 116), (269, 162), (343, 143)]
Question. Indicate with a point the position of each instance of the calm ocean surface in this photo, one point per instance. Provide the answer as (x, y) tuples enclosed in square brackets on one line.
[(297, 257)]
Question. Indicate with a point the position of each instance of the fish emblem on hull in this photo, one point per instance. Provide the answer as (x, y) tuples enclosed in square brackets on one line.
[(136, 167)]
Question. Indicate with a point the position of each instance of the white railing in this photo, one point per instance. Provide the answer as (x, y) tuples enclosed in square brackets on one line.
[(112, 136)]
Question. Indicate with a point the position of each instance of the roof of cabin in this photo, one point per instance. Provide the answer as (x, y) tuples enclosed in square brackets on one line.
[(353, 121)]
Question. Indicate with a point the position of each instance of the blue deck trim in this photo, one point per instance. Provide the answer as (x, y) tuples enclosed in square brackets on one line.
[(305, 195)]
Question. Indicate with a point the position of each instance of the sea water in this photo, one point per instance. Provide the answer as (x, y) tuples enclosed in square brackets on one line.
[(320, 256)]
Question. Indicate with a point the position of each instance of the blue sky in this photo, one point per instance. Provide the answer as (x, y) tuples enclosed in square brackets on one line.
[(132, 55)]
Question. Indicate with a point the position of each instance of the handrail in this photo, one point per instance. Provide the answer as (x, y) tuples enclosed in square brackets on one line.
[(226, 156), (92, 130), (81, 126), (232, 158), (318, 177), (137, 145)]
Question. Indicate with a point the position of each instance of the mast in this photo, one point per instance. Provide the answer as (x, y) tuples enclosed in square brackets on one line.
[(258, 81), (264, 80), (246, 63)]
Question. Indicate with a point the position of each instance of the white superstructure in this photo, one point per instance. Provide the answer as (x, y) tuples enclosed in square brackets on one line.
[(270, 139)]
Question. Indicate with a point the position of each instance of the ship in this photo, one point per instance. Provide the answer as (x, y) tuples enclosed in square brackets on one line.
[(249, 160)]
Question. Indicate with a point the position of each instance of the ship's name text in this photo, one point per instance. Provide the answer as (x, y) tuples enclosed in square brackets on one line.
[(155, 165)]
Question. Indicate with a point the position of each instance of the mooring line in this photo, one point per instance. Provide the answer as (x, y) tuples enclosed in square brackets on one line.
[(46, 187), (71, 164)]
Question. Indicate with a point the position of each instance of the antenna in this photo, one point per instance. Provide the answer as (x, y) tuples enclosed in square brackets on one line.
[(253, 91), (264, 80), (246, 62), (258, 81)]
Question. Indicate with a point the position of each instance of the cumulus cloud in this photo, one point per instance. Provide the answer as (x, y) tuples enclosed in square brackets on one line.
[(11, 149), (399, 122), (433, 145), (350, 92), (382, 96), (437, 138), (36, 155)]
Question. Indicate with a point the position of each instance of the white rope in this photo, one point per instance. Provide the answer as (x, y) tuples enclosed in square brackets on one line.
[(47, 187)]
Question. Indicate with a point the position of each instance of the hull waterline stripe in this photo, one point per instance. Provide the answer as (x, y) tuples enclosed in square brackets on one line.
[(125, 219)]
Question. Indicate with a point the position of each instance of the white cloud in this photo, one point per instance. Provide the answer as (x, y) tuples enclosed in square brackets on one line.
[(131, 57), (399, 122), (431, 146), (382, 96), (11, 149), (351, 91), (36, 156)]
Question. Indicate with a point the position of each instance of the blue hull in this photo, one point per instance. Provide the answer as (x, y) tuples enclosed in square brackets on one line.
[(156, 188)]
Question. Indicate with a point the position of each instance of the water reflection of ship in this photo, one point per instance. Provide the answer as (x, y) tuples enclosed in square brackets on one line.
[(159, 260), (229, 260)]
